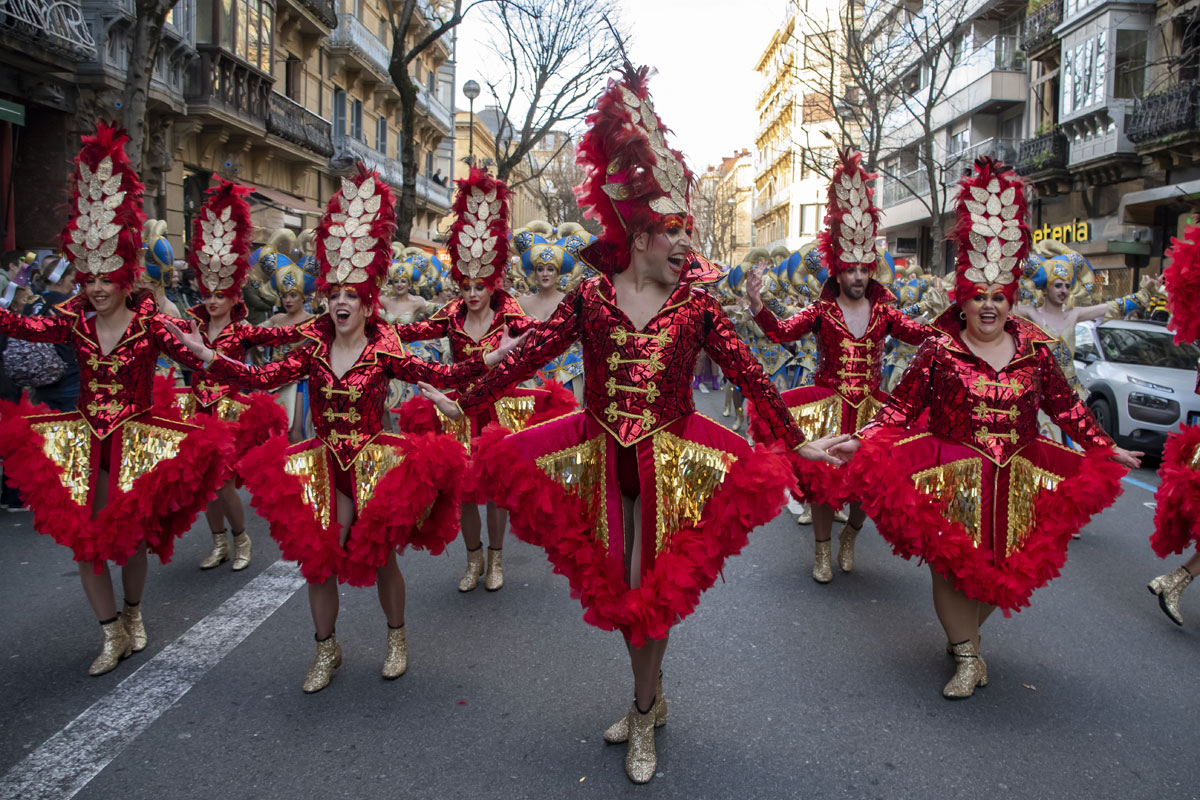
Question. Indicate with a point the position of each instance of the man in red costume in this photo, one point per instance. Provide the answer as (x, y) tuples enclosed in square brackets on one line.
[(852, 320)]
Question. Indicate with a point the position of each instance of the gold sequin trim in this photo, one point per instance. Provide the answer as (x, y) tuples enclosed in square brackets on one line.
[(958, 486), (459, 428), (143, 447), (866, 410), (312, 468), (186, 403), (1194, 462), (373, 462), (229, 409), (69, 445), (1026, 482), (582, 471), (514, 412), (686, 476), (819, 418)]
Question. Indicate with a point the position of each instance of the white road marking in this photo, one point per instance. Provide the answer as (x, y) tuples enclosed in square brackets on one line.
[(71, 758)]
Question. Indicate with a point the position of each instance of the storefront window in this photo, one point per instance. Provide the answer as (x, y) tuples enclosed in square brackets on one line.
[(1129, 65)]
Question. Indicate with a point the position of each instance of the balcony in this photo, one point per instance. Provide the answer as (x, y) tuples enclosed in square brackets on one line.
[(1165, 128), (59, 28), (1039, 28), (434, 194), (909, 186), (347, 150), (1043, 159), (223, 83), (293, 122), (437, 113), (360, 49), (1000, 149), (322, 11)]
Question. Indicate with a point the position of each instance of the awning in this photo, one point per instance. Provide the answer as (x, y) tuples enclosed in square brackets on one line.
[(1138, 207), (293, 204)]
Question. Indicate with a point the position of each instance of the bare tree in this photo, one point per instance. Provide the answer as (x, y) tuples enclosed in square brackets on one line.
[(704, 200), (144, 42), (558, 53), (443, 16), (556, 187)]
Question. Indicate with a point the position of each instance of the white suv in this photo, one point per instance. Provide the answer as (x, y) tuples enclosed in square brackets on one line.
[(1140, 384)]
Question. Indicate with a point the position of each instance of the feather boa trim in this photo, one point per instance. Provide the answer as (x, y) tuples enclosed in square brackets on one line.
[(1177, 513), (1182, 279)]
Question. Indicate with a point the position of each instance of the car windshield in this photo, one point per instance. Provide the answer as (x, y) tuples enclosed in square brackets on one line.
[(1146, 347)]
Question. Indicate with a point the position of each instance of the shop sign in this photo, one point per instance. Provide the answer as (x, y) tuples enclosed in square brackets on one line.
[(1077, 231)]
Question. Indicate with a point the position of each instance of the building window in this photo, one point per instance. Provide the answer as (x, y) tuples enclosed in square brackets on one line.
[(292, 77), (381, 135), (1083, 71), (356, 121), (1129, 65), (431, 82), (243, 27), (428, 163), (958, 141), (810, 219), (399, 144), (339, 113)]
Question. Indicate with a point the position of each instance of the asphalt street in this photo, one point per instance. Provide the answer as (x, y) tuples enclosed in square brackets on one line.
[(778, 687)]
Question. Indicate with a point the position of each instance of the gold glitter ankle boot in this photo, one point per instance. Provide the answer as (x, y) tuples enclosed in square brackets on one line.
[(823, 562), (1169, 588), (619, 731), (219, 553), (131, 618), (640, 758), (241, 551), (971, 672), (327, 659), (396, 662), (116, 646), (494, 577), (846, 547), (470, 578)]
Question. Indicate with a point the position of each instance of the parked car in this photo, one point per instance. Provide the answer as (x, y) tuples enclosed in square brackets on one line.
[(1141, 385)]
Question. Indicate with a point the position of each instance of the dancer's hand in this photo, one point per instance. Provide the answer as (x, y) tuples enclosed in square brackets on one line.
[(1127, 458), (846, 450), (507, 344), (192, 340), (818, 450), (754, 289), (447, 406)]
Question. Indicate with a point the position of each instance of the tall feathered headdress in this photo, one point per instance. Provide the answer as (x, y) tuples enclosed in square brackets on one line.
[(221, 240), (354, 239), (1182, 280), (478, 240), (104, 237), (634, 182), (851, 217), (992, 232)]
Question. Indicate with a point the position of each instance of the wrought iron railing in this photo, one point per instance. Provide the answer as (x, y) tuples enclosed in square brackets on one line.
[(347, 150), (321, 9), (59, 26), (998, 148), (1040, 25), (291, 121), (1048, 151), (905, 187), (221, 80), (1174, 111)]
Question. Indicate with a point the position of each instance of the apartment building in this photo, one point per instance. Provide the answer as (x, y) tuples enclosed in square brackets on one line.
[(795, 143), (727, 190)]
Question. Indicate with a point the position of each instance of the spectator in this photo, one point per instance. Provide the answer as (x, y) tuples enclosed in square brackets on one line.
[(172, 287), (59, 279), (439, 179)]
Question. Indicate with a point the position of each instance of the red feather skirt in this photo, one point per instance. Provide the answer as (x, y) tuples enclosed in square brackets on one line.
[(997, 532), (405, 489), (516, 410), (1177, 511), (253, 419), (702, 490), (161, 473)]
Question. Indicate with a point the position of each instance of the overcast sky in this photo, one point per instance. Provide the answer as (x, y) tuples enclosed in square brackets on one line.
[(704, 51)]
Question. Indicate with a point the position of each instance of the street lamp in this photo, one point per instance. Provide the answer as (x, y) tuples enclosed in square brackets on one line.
[(471, 90), (732, 203)]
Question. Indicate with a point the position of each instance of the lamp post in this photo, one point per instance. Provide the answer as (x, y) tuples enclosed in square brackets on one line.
[(732, 204), (471, 90)]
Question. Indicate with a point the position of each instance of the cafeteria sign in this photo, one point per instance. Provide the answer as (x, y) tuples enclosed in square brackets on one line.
[(1076, 231)]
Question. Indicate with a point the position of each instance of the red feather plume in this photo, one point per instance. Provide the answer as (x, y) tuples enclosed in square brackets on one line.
[(381, 227), (992, 228), (470, 230), (214, 275), (851, 217), (1182, 279)]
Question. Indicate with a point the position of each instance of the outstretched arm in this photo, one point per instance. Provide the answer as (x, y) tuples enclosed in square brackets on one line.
[(55, 329), (293, 367)]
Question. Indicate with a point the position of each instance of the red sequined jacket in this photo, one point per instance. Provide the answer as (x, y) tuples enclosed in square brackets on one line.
[(639, 381), (232, 342), (448, 321), (849, 365), (118, 386), (348, 411), (994, 412)]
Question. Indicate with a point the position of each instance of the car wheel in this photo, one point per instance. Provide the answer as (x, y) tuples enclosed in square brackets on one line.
[(1102, 411)]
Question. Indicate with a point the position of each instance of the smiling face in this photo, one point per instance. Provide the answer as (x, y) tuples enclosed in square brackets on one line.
[(347, 309), (986, 311), (104, 295), (476, 294), (219, 304), (853, 282)]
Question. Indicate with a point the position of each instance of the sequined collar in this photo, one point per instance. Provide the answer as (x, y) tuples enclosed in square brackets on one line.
[(79, 307), (320, 331), (504, 306), (236, 315), (1025, 334), (680, 295)]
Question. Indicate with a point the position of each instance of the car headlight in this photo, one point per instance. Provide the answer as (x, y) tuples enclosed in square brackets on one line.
[(1148, 400), (1158, 387)]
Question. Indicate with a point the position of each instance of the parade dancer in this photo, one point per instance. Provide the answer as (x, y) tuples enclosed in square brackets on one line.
[(550, 264), (475, 324), (638, 500), (852, 321), (974, 490), (342, 503), (113, 479), (220, 257), (1177, 509)]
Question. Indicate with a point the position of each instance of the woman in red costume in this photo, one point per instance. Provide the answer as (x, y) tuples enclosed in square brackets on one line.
[(341, 504), (1177, 513), (638, 500), (112, 479), (978, 494), (475, 324), (220, 257)]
